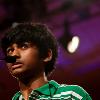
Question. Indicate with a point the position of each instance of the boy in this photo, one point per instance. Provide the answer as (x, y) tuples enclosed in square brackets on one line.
[(35, 51)]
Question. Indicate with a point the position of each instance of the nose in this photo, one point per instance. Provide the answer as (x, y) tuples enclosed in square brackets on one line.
[(16, 52)]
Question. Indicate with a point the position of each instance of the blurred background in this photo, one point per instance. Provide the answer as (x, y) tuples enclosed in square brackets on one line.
[(75, 24)]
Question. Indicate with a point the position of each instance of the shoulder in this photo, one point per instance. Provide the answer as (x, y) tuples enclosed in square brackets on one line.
[(74, 90), (71, 87)]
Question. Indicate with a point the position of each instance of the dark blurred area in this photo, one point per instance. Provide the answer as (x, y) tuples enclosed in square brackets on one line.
[(66, 18), (20, 11)]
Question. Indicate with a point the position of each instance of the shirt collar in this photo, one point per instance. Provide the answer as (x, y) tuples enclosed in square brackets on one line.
[(45, 89)]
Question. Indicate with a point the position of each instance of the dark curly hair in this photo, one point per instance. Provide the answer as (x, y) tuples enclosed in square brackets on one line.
[(35, 33)]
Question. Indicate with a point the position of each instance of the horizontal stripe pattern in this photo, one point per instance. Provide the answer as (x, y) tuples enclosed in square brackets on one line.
[(67, 93)]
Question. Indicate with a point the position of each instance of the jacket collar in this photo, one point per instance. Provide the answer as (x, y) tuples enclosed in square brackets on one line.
[(51, 86)]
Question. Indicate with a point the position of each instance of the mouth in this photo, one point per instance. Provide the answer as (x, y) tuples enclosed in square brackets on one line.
[(16, 65)]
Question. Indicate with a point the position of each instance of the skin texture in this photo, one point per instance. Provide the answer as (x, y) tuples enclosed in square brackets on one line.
[(28, 68), (27, 59)]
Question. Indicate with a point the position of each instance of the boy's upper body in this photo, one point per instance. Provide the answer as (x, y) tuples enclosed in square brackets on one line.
[(34, 49), (54, 91)]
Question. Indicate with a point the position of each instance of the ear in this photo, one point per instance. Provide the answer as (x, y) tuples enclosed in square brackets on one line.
[(49, 56)]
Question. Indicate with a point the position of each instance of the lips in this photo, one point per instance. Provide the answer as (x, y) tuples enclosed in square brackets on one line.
[(16, 65)]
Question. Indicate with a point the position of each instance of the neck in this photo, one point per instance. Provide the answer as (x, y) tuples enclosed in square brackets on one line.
[(27, 87)]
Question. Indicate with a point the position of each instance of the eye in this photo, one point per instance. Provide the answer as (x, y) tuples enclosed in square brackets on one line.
[(24, 45), (9, 50)]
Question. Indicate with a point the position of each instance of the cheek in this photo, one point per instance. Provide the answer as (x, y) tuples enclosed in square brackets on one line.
[(30, 57), (9, 66)]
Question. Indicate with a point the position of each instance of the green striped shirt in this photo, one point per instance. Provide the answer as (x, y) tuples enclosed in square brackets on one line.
[(54, 91)]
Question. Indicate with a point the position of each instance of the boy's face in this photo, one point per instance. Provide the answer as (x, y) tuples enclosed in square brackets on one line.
[(27, 61)]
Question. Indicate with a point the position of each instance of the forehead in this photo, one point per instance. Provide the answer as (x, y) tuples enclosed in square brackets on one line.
[(20, 44)]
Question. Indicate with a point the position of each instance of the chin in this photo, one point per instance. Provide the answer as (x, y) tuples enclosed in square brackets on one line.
[(17, 73)]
